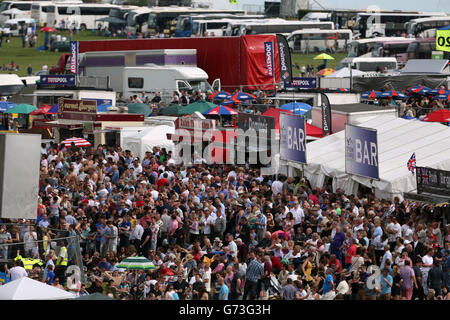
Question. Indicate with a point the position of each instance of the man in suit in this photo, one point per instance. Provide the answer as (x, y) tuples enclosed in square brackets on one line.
[(418, 246)]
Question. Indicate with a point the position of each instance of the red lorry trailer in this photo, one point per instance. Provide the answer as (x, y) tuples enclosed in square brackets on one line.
[(239, 62)]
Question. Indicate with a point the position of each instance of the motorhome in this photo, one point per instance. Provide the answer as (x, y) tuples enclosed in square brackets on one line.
[(165, 71)]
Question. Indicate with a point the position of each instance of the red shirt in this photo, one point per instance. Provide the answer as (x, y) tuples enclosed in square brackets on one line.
[(161, 182), (313, 198), (335, 263), (140, 203), (351, 251), (276, 263)]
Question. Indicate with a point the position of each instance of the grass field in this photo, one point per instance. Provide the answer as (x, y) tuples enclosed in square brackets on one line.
[(308, 59), (13, 51), (22, 57)]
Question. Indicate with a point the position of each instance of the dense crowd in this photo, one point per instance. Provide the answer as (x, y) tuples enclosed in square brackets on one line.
[(221, 232)]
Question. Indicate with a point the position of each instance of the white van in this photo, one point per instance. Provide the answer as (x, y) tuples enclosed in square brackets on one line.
[(15, 27), (369, 64)]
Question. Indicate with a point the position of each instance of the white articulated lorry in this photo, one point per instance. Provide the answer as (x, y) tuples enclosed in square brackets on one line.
[(133, 72)]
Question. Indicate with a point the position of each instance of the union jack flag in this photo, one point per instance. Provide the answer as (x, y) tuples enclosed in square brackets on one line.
[(412, 163)]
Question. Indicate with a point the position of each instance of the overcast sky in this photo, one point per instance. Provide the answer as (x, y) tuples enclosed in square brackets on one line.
[(405, 5)]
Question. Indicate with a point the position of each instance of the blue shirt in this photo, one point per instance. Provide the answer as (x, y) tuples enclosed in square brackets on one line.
[(223, 290), (50, 277), (385, 288), (327, 284)]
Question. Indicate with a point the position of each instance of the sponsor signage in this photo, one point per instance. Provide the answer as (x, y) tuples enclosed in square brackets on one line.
[(301, 83), (194, 124), (74, 57), (292, 138), (254, 127), (326, 115), (443, 40), (58, 79), (77, 106), (361, 151), (433, 181), (248, 121), (268, 51), (285, 59)]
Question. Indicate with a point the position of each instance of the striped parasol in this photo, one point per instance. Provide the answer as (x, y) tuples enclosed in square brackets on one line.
[(79, 142), (136, 263)]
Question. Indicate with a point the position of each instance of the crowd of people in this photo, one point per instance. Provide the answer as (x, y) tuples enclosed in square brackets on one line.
[(220, 232)]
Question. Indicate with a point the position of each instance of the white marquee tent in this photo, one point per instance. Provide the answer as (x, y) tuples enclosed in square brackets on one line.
[(29, 289), (145, 140), (398, 139)]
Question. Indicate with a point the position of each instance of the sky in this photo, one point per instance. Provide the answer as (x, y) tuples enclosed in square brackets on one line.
[(405, 5)]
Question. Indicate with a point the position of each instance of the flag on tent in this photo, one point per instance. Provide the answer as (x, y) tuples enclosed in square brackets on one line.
[(412, 163)]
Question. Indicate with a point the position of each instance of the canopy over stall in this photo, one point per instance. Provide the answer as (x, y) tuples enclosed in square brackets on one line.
[(398, 139)]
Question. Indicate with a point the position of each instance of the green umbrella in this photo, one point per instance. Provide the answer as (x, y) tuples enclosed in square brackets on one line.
[(170, 110), (139, 108), (200, 106), (22, 108), (94, 296), (136, 263)]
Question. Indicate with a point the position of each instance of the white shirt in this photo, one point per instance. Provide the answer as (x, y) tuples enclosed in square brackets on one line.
[(398, 230), (137, 232), (426, 260), (277, 187), (17, 273), (298, 214), (207, 276), (233, 248)]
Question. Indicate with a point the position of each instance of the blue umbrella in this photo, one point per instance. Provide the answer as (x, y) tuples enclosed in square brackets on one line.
[(242, 96), (371, 94), (296, 107), (220, 110), (5, 105), (221, 95), (394, 95), (103, 107), (228, 103), (439, 91), (422, 90), (54, 109)]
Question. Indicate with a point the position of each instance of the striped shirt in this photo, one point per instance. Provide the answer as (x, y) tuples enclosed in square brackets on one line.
[(255, 270)]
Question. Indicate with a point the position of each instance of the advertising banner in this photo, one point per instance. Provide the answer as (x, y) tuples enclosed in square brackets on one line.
[(292, 138), (326, 115), (443, 40), (254, 126), (361, 151), (268, 52), (80, 106), (74, 57), (301, 83), (284, 55), (57, 79), (433, 181)]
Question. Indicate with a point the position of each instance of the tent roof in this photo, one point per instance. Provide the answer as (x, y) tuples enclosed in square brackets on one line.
[(425, 66), (398, 139), (29, 289), (345, 72)]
